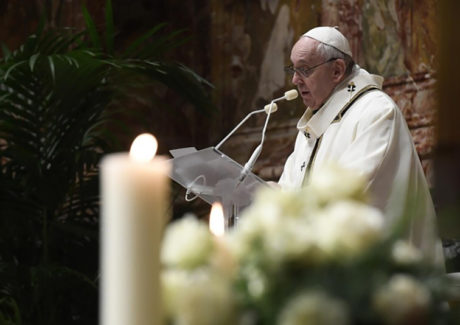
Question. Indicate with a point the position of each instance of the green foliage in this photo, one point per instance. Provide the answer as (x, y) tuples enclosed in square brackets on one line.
[(55, 91)]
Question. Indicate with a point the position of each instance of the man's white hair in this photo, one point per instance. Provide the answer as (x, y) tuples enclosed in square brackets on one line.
[(328, 52)]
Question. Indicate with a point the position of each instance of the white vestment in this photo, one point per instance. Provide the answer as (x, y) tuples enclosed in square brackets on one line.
[(361, 128)]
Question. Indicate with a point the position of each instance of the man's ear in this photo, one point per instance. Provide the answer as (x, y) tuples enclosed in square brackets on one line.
[(339, 68)]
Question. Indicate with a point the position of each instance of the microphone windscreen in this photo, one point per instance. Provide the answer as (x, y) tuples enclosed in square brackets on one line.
[(291, 94), (274, 108)]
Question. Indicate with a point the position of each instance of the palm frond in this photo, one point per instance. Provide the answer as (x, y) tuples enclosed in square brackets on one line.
[(139, 43), (58, 91), (91, 28), (109, 27)]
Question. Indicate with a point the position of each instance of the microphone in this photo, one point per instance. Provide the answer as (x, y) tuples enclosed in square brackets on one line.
[(288, 95), (270, 108)]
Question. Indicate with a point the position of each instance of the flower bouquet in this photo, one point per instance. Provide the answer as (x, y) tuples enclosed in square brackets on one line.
[(319, 255)]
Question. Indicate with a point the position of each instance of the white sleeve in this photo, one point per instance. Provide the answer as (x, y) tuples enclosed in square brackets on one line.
[(290, 178), (284, 180)]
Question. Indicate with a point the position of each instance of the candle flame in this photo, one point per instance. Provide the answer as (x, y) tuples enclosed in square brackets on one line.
[(143, 148), (216, 220)]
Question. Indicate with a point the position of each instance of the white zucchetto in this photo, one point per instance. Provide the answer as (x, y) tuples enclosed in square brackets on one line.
[(330, 36)]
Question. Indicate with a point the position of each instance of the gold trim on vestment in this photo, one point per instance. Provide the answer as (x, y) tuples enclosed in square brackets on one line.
[(342, 112), (338, 118), (311, 161)]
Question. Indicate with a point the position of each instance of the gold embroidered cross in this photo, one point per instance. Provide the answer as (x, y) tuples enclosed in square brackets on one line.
[(351, 87)]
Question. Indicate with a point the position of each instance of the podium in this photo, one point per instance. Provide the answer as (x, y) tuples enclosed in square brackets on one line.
[(212, 176)]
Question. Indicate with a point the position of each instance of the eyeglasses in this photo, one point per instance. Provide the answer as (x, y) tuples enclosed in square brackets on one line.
[(305, 72)]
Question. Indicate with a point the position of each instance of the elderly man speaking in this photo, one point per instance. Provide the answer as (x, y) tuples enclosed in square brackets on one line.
[(351, 122)]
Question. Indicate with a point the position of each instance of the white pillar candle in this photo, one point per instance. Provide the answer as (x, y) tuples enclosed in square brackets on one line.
[(135, 200)]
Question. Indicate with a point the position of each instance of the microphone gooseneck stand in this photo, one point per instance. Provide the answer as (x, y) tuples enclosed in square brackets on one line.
[(269, 109)]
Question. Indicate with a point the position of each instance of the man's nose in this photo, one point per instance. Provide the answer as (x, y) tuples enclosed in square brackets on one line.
[(296, 79)]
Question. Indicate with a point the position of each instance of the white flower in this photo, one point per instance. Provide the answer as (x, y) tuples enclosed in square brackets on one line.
[(295, 241), (276, 228), (244, 237), (270, 202), (332, 183), (258, 222), (405, 253), (402, 300), (315, 308), (198, 297), (256, 280), (173, 283), (187, 243), (287, 203), (280, 226), (348, 228)]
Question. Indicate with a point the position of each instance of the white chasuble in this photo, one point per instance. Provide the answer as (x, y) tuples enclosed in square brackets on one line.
[(361, 128)]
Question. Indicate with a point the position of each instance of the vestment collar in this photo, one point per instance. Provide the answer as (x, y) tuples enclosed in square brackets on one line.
[(314, 125)]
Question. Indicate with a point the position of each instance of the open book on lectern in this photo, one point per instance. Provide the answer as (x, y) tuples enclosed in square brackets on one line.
[(213, 176)]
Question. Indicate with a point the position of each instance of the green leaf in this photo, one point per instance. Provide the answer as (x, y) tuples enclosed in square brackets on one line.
[(6, 51), (109, 27), (62, 43), (91, 28), (13, 316), (32, 61), (142, 39), (10, 69), (52, 67)]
